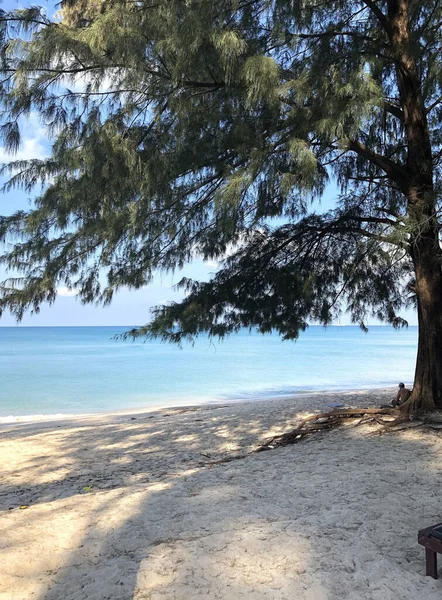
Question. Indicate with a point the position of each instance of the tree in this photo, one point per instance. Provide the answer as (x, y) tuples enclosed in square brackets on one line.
[(211, 128)]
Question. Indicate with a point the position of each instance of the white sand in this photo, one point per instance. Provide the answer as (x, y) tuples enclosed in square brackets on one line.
[(333, 517)]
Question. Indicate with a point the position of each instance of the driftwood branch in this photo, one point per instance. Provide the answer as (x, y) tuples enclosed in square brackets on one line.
[(389, 418), (328, 420)]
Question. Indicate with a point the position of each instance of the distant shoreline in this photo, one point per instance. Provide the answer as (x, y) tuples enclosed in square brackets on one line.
[(19, 326)]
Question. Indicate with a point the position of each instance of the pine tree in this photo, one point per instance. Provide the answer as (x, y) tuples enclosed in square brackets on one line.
[(211, 128)]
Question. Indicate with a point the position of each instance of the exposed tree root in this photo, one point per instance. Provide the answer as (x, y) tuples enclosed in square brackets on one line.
[(227, 459), (410, 407), (417, 405), (390, 419), (329, 420)]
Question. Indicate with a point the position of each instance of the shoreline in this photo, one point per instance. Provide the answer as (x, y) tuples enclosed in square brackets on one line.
[(12, 420)]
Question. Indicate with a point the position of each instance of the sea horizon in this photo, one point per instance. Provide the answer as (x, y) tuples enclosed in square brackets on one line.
[(20, 326)]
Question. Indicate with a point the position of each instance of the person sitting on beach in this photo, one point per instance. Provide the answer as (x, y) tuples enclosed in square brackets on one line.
[(402, 395)]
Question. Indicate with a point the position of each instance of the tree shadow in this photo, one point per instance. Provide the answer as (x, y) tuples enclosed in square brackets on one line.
[(333, 517)]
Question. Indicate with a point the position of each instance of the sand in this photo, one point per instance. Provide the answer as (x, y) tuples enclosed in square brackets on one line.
[(129, 507)]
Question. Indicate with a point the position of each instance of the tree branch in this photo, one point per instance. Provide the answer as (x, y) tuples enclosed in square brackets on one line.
[(374, 8), (394, 110), (434, 104), (383, 220), (396, 172), (322, 34)]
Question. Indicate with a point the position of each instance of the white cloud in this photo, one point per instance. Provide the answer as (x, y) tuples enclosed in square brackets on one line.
[(212, 264), (30, 148), (66, 292), (79, 81), (230, 249), (34, 142)]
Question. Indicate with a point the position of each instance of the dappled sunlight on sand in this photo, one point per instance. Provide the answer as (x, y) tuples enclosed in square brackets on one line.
[(230, 561), (145, 507)]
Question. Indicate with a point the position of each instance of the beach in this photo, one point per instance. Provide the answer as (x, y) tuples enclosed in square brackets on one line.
[(146, 506)]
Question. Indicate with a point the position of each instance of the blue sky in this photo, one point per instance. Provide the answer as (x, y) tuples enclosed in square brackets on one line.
[(129, 307)]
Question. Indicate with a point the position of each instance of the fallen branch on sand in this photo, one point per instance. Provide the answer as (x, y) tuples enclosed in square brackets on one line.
[(328, 420), (389, 418)]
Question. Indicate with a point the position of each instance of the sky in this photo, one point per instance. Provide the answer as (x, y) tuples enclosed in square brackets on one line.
[(129, 307)]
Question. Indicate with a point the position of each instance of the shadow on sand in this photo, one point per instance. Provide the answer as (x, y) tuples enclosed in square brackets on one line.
[(134, 510)]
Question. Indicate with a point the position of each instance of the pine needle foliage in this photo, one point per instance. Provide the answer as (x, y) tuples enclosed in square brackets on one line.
[(210, 128)]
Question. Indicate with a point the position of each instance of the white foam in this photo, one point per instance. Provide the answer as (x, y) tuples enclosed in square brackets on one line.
[(39, 417)]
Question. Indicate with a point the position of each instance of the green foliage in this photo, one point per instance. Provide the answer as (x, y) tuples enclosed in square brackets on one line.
[(184, 129)]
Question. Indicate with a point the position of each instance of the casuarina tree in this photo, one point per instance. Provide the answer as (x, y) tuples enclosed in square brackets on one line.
[(211, 128)]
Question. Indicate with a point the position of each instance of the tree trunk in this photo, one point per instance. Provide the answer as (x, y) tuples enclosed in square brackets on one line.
[(424, 235), (427, 389)]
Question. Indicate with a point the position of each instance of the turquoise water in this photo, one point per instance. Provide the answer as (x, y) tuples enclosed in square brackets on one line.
[(71, 370)]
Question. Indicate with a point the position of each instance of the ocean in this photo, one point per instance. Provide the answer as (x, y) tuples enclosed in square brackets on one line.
[(81, 370)]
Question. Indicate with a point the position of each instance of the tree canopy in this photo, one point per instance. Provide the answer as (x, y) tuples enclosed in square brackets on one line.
[(210, 128)]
